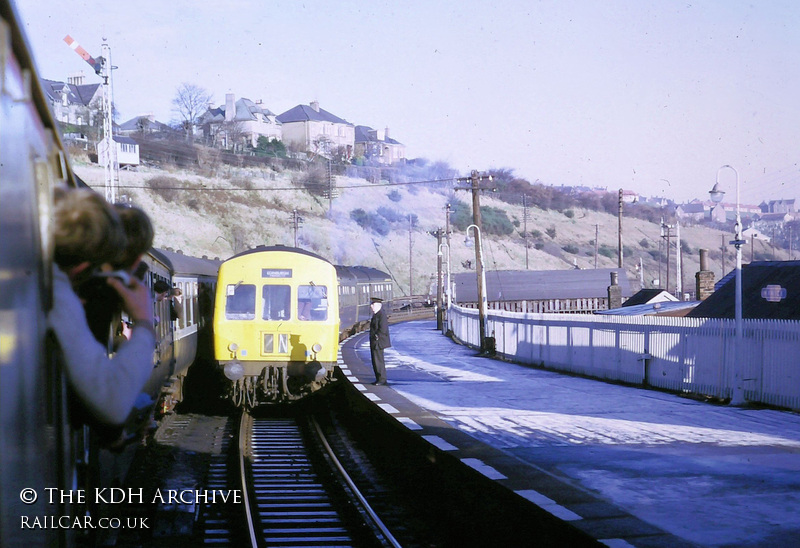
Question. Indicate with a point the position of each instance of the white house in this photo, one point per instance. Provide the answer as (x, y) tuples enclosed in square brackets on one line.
[(376, 146), (240, 122), (318, 131)]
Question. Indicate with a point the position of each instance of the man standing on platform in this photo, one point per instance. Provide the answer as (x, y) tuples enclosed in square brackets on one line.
[(378, 339)]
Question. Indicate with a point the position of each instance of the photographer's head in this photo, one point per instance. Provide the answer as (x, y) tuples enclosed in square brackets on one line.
[(87, 231), (140, 233)]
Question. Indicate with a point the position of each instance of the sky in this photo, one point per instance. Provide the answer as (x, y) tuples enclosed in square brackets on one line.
[(649, 96)]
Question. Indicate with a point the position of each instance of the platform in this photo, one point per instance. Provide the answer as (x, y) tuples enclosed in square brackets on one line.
[(630, 466)]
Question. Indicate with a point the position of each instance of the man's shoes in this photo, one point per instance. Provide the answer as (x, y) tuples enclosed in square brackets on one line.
[(379, 383)]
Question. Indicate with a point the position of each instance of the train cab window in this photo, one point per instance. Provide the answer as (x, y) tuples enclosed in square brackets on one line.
[(312, 303), (240, 302), (277, 302)]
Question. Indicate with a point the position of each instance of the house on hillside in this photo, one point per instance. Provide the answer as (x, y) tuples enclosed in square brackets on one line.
[(770, 290), (696, 211), (317, 131), (239, 123), (145, 127), (377, 147), (571, 291), (778, 206), (75, 102)]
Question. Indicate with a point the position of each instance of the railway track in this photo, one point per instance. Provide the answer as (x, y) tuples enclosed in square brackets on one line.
[(297, 493)]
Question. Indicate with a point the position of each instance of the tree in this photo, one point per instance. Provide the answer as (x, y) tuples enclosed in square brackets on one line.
[(189, 103)]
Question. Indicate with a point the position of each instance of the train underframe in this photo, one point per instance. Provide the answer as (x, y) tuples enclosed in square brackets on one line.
[(272, 383)]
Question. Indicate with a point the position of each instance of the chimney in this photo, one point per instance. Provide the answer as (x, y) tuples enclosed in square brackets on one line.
[(315, 105), (76, 78), (230, 107), (704, 279), (614, 292), (386, 134)]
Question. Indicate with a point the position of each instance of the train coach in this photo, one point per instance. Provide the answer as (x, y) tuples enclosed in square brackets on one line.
[(280, 313), (45, 441)]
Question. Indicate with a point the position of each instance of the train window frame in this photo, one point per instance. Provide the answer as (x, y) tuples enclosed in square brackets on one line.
[(231, 291), (276, 289), (312, 303)]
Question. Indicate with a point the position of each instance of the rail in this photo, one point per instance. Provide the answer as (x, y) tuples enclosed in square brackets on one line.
[(686, 355)]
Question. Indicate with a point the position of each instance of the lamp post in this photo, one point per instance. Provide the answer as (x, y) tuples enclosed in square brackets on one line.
[(481, 278), (447, 282), (716, 195)]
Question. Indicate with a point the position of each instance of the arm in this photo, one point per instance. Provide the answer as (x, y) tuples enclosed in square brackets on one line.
[(108, 386)]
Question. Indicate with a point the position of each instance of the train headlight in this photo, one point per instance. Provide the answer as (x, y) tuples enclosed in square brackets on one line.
[(233, 347), (317, 348), (233, 370)]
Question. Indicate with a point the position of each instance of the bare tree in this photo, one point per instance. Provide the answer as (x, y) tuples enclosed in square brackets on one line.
[(235, 134), (190, 102)]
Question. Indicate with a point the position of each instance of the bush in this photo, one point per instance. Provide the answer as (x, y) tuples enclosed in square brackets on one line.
[(569, 248), (644, 243), (551, 232), (370, 221), (569, 214), (168, 188), (395, 196), (391, 215), (607, 251)]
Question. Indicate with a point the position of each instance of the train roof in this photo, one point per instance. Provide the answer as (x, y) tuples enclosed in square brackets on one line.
[(284, 248), (186, 264), (362, 273), (518, 285)]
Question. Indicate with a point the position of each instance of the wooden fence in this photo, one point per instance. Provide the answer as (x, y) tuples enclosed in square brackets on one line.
[(687, 355)]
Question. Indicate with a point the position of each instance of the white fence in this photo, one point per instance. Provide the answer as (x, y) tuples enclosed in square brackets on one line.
[(689, 355)]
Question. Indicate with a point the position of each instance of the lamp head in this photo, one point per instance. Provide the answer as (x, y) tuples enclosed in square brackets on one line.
[(716, 194)]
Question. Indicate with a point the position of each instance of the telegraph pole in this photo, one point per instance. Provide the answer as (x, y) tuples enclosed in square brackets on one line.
[(596, 243), (439, 310), (297, 220), (619, 243), (474, 181), (525, 216), (410, 258)]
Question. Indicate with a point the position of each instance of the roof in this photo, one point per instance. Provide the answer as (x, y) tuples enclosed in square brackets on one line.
[(245, 110), (518, 285), (365, 134), (770, 290), (650, 296), (76, 95), (664, 308), (143, 122), (305, 113)]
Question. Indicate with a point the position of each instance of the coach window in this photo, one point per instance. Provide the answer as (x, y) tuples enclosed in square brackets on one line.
[(240, 302), (312, 303), (277, 302)]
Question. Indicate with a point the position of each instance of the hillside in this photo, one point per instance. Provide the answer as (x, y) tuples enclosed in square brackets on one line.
[(256, 209)]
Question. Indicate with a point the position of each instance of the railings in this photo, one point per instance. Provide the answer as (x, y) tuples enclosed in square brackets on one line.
[(687, 355)]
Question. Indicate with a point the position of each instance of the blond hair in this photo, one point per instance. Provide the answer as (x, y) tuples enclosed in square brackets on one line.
[(85, 228)]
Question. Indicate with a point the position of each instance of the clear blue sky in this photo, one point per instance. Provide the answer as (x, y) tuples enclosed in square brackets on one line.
[(652, 96)]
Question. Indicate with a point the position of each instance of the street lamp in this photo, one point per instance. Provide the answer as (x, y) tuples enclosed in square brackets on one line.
[(447, 287), (481, 279), (716, 195)]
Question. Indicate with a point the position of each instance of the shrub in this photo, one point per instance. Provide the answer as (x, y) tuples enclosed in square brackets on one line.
[(569, 214), (370, 221), (391, 215), (551, 232), (168, 188), (395, 196), (607, 251), (569, 248), (644, 243)]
